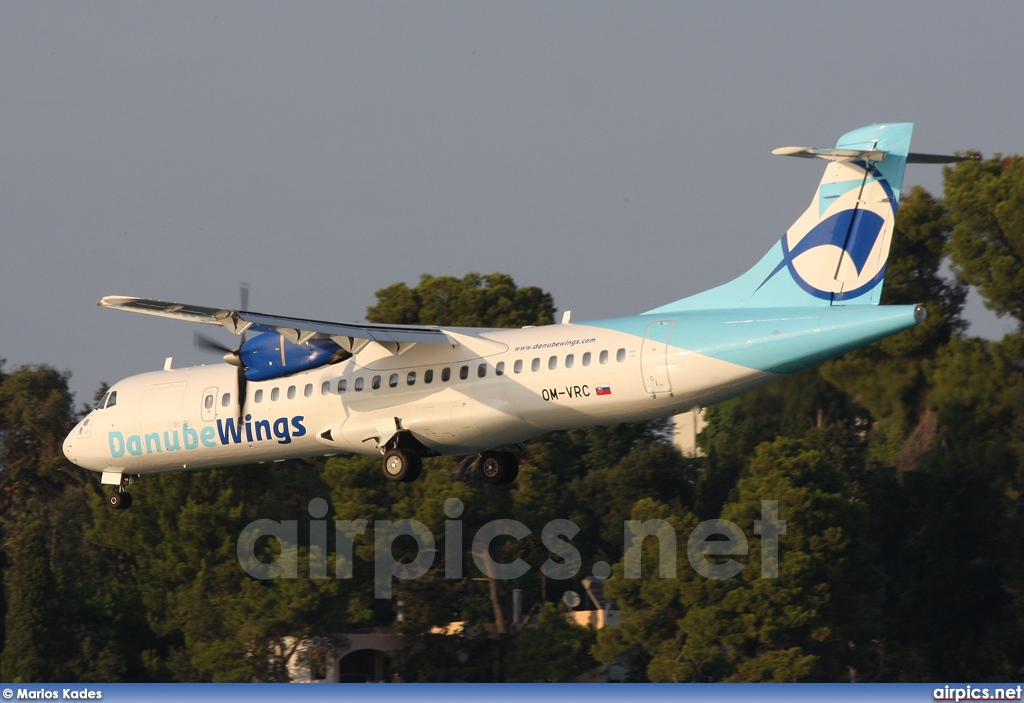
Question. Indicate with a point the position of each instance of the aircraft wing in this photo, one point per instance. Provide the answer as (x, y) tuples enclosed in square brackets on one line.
[(351, 336)]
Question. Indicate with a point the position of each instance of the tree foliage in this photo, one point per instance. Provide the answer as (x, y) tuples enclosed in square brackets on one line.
[(986, 201), (493, 300)]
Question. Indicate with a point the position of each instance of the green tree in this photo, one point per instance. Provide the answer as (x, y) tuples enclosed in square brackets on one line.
[(951, 526), (986, 202), (552, 650), (804, 405), (36, 413), (806, 624), (209, 620), (493, 300), (31, 639), (85, 624), (648, 637)]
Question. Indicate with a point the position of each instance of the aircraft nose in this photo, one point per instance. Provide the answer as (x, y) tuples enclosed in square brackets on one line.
[(69, 449), (76, 441)]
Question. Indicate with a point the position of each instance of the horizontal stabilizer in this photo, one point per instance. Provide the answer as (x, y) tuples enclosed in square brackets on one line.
[(913, 158), (813, 152)]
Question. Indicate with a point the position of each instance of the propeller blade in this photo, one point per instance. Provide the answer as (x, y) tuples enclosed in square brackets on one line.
[(209, 344), (231, 356), (243, 297), (242, 383)]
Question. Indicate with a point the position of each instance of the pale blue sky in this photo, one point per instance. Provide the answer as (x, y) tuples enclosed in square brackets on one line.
[(615, 154)]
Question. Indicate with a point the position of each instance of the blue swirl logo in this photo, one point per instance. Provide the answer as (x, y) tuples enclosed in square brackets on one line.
[(843, 256)]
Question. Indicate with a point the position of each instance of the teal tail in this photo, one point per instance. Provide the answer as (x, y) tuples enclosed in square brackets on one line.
[(836, 253)]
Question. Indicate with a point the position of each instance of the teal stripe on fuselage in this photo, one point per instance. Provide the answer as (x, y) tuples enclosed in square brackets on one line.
[(775, 340)]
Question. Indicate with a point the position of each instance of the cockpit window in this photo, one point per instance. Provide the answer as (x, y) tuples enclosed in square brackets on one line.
[(108, 400)]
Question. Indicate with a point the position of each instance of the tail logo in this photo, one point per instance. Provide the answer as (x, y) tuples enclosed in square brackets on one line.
[(838, 249)]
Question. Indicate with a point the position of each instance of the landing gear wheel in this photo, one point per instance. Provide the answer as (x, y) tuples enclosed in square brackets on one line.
[(400, 465), (500, 468), (119, 501)]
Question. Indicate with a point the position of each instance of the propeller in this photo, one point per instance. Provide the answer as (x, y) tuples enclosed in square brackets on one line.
[(231, 356)]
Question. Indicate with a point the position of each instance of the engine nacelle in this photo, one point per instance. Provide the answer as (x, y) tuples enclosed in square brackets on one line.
[(266, 356)]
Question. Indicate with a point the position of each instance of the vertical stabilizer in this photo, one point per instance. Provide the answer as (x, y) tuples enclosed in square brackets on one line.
[(836, 252)]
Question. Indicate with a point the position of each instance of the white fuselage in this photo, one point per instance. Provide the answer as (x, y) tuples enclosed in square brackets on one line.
[(494, 388)]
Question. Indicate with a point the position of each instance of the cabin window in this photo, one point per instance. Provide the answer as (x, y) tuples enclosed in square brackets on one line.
[(259, 396), (375, 384), (464, 373), (343, 385), (428, 376), (225, 400), (325, 388), (208, 402), (291, 392), (499, 368), (518, 367), (275, 394), (620, 355), (308, 390), (481, 370), (586, 359), (604, 357), (569, 361), (393, 380), (410, 379), (553, 363), (359, 384), (446, 374), (535, 365)]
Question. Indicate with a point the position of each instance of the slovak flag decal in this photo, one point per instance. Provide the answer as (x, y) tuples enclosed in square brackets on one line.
[(604, 390)]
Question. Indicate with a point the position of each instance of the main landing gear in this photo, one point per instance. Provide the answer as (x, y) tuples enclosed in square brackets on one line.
[(499, 468), (402, 465), (496, 468)]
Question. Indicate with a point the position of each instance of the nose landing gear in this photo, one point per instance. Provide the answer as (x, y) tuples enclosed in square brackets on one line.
[(122, 500)]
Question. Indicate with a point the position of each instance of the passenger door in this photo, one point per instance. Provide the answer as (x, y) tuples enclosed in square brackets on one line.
[(654, 358)]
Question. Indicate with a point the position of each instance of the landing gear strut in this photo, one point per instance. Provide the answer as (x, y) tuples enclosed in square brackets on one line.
[(402, 465), (498, 467)]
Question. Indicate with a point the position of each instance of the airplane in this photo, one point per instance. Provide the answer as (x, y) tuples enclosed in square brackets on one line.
[(298, 388)]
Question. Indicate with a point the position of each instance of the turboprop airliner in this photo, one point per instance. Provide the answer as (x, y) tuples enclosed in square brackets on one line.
[(296, 387)]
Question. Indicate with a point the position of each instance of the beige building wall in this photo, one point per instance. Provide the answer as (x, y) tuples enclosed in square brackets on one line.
[(686, 428)]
